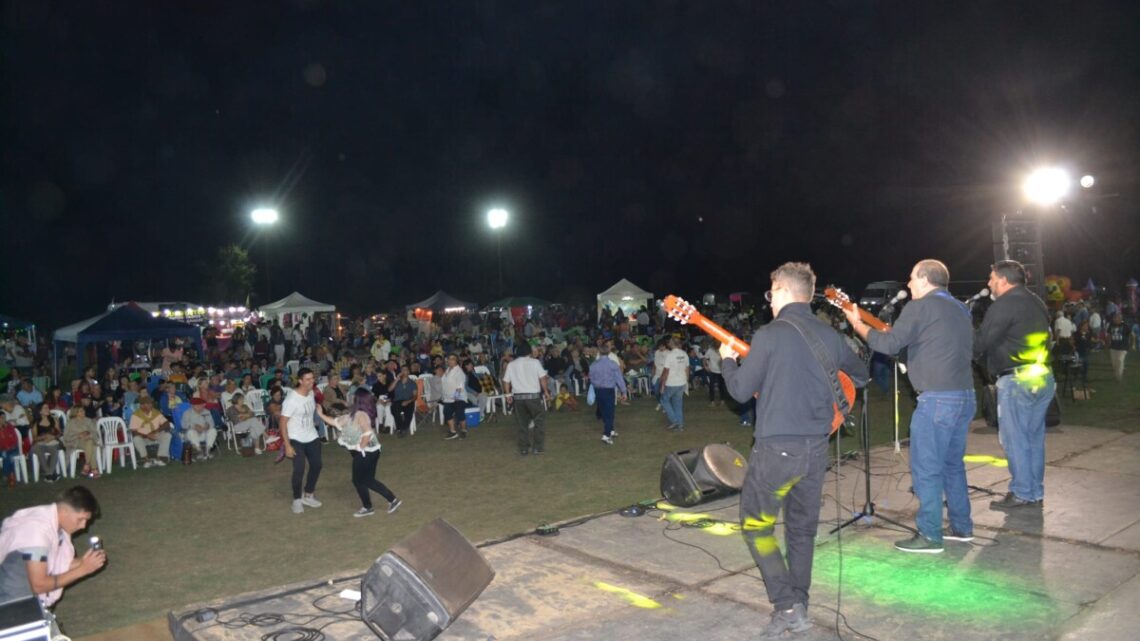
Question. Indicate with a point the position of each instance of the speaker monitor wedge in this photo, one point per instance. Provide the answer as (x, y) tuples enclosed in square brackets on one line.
[(422, 584), (691, 477)]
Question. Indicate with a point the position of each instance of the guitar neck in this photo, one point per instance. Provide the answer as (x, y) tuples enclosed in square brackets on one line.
[(720, 333), (871, 320)]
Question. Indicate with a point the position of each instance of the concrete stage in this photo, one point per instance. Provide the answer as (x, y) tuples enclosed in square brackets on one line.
[(1068, 572)]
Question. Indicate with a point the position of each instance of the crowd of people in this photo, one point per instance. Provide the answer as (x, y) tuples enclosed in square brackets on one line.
[(291, 390)]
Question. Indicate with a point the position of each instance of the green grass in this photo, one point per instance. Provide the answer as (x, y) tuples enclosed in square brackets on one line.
[(180, 535)]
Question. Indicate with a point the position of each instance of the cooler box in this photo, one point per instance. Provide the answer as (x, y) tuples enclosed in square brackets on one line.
[(472, 416)]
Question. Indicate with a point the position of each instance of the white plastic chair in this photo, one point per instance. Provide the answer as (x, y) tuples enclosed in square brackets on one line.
[(114, 435), (20, 463), (60, 466), (256, 402)]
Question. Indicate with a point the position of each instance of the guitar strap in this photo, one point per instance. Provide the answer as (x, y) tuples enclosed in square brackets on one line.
[(825, 361)]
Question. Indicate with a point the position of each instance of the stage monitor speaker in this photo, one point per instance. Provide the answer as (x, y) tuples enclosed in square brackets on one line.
[(721, 465), (420, 586), (691, 477)]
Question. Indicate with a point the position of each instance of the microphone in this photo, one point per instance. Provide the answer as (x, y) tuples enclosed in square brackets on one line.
[(899, 296), (982, 294)]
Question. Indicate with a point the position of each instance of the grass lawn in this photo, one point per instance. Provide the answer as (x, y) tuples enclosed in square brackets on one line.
[(179, 535)]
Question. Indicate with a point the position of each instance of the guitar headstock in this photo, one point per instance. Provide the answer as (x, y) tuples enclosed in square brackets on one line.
[(837, 297), (678, 309)]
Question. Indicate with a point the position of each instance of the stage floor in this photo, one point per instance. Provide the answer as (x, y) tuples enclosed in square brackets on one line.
[(1069, 571)]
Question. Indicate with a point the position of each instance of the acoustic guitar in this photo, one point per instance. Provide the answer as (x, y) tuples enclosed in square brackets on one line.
[(685, 313), (840, 299)]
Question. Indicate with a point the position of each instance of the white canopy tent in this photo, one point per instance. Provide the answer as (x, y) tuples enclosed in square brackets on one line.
[(295, 304), (625, 296)]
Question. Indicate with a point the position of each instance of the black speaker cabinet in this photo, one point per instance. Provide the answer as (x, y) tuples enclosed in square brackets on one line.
[(691, 477), (417, 588)]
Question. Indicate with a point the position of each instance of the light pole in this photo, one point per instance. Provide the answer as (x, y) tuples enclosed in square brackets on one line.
[(264, 218), (497, 219)]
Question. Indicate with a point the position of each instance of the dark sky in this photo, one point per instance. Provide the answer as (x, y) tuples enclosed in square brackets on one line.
[(687, 146)]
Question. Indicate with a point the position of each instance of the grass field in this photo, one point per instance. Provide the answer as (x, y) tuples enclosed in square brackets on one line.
[(179, 535)]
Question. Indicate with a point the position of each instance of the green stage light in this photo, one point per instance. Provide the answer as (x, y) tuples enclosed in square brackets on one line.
[(934, 586)]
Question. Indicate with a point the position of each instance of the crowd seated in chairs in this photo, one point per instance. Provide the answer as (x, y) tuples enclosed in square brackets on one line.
[(133, 411)]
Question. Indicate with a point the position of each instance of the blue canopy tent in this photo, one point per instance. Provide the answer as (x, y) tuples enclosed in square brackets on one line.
[(126, 323)]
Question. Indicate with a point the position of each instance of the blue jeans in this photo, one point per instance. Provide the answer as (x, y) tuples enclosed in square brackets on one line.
[(938, 430), (672, 401), (1021, 430), (604, 397)]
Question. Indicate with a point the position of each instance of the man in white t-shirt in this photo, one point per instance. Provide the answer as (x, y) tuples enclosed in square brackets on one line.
[(1063, 331), (454, 399), (302, 443), (674, 381), (711, 360), (526, 384)]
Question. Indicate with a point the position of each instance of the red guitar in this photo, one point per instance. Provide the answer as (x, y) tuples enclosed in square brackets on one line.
[(837, 297), (683, 312)]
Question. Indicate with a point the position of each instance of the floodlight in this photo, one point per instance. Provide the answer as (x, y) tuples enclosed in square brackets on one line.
[(1046, 186), (264, 215), (497, 218), (1087, 181)]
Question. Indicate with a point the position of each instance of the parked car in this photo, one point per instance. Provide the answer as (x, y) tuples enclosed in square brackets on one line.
[(878, 294)]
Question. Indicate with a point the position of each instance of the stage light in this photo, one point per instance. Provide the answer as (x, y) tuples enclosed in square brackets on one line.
[(1046, 186), (1087, 181), (264, 215)]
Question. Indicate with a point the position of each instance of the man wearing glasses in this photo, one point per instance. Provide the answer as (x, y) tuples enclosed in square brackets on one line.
[(795, 399)]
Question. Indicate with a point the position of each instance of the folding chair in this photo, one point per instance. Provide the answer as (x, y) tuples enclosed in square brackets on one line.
[(114, 436)]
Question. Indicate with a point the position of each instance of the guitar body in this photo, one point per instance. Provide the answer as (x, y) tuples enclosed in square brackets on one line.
[(681, 311)]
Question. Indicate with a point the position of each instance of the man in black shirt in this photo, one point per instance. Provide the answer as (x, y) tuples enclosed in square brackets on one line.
[(1014, 340), (794, 410), (937, 332)]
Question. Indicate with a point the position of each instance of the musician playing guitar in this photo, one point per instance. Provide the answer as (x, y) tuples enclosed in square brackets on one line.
[(937, 332), (787, 369)]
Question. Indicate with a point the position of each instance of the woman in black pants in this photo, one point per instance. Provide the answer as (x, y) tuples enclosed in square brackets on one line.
[(358, 436)]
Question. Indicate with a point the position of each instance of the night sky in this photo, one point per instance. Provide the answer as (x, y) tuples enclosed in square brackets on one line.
[(687, 146)]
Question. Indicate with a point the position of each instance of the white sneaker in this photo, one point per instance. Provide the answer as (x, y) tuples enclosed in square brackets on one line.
[(607, 440), (257, 452), (147, 464), (613, 433), (311, 501), (297, 506), (158, 463), (363, 512), (394, 505)]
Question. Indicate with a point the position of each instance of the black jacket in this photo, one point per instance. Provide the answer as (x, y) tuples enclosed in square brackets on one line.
[(1014, 332), (795, 396)]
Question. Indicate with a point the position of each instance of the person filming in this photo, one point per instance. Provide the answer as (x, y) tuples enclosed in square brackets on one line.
[(35, 545)]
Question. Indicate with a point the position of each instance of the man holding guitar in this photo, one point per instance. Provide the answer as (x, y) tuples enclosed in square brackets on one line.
[(791, 368), (937, 332)]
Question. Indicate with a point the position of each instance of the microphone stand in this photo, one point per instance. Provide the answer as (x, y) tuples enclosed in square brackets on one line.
[(868, 505)]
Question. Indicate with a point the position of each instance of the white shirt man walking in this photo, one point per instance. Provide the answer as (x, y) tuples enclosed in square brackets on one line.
[(674, 382), (302, 443), (525, 383)]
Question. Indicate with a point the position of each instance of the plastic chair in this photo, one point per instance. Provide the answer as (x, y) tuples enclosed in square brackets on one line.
[(60, 466), (20, 463), (114, 436)]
